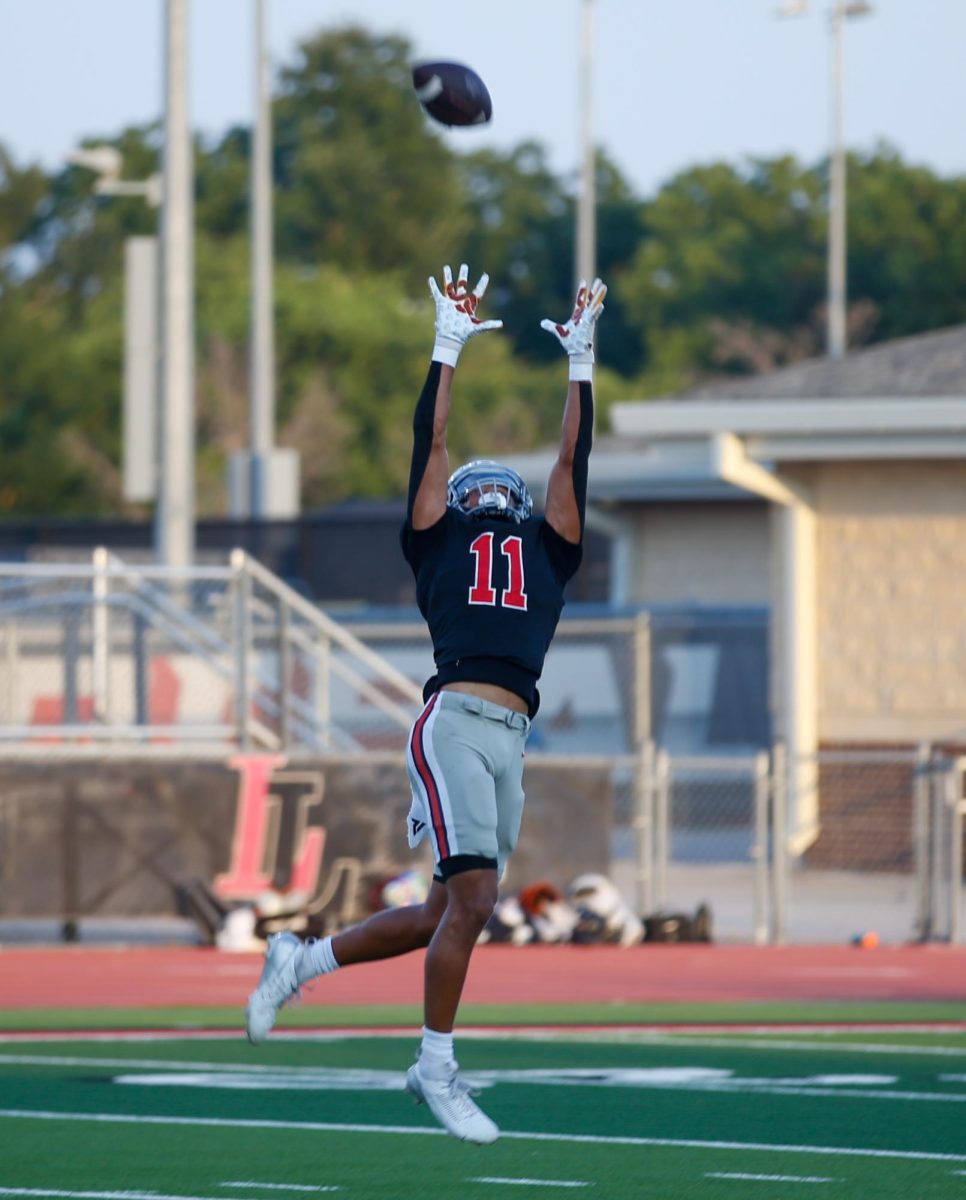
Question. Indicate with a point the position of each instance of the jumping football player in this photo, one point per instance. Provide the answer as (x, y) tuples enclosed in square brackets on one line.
[(490, 578)]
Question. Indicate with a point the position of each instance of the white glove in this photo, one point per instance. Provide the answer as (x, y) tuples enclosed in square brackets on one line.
[(577, 336), (456, 321)]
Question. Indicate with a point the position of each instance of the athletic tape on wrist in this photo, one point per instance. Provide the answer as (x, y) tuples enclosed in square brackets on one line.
[(446, 354), (582, 371)]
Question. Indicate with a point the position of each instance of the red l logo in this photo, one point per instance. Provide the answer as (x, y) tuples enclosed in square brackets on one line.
[(254, 845)]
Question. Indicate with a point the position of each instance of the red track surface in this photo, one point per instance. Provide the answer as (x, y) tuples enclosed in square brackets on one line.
[(82, 977)]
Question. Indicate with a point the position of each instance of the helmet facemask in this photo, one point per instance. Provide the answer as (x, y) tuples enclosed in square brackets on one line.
[(486, 489)]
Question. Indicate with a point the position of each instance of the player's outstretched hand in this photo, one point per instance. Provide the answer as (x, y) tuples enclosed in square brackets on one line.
[(577, 335), (456, 319)]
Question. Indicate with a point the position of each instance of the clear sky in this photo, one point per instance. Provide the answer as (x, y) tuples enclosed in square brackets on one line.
[(677, 81)]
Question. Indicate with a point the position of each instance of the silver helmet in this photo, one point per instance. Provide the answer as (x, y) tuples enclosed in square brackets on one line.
[(501, 492)]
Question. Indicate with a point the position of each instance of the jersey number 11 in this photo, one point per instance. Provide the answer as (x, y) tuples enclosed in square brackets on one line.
[(483, 591)]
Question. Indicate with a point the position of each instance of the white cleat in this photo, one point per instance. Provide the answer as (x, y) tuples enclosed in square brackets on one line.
[(450, 1102), (278, 984)]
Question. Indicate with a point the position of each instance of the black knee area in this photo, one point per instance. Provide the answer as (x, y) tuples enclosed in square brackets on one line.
[(460, 863)]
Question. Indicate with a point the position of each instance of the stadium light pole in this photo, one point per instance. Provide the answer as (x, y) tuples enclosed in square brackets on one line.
[(263, 480), (836, 285), (175, 510), (837, 336), (262, 364), (140, 401), (586, 256)]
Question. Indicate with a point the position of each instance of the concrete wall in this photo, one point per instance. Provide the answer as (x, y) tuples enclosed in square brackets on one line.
[(124, 838), (891, 553), (890, 589), (704, 553)]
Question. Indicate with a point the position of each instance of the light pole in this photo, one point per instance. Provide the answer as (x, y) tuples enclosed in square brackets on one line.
[(836, 286), (263, 482), (586, 256), (175, 511), (140, 467), (262, 385)]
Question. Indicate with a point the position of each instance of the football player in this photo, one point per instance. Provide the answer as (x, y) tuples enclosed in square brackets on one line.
[(490, 578)]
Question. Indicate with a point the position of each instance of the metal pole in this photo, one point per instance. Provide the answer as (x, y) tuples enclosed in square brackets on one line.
[(662, 821), (921, 792), (586, 258), (836, 205), (100, 650), (644, 828), (242, 586), (262, 366), (957, 805), (779, 855), (641, 682), (175, 514), (938, 890), (141, 368), (10, 693), (139, 658), (284, 674), (759, 851)]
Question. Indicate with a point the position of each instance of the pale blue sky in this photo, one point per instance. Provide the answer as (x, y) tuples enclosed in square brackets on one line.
[(677, 81)]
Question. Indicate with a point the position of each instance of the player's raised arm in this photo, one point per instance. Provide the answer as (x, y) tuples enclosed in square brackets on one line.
[(567, 488), (456, 323)]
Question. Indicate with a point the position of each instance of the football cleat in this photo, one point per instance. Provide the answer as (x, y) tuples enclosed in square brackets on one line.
[(450, 1101), (278, 984), (484, 488)]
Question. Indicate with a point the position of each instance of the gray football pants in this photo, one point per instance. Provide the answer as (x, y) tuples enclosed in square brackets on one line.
[(465, 764)]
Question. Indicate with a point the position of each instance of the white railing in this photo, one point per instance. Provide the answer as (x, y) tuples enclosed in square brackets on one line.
[(122, 656)]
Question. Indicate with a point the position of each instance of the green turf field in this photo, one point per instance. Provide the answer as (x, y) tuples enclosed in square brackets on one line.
[(669, 1115)]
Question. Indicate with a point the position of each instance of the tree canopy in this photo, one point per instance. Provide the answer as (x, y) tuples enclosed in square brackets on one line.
[(722, 270)]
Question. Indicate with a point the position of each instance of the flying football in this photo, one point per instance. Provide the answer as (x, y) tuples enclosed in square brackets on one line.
[(452, 94)]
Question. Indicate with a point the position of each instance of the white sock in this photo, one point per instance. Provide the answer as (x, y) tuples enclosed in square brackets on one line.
[(436, 1053), (316, 959)]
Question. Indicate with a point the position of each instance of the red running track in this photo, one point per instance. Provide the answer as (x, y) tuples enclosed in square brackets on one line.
[(88, 977)]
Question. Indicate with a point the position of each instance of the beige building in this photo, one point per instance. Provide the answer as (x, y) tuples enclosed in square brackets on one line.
[(834, 492)]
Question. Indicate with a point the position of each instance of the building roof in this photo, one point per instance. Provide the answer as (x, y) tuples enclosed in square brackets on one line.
[(900, 400), (928, 364)]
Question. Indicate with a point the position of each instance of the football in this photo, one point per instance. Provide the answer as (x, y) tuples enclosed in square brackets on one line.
[(452, 93)]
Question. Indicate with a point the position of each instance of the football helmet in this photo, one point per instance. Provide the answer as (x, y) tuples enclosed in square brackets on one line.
[(500, 491)]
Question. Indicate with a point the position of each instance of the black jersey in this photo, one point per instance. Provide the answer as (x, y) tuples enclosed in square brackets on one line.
[(492, 593), (491, 590)]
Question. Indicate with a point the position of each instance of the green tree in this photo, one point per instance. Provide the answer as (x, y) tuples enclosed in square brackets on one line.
[(362, 180), (906, 243), (724, 248), (523, 232)]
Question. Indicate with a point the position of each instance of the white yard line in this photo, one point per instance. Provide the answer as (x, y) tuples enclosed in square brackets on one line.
[(14, 1114), (39, 1193), (279, 1187), (558, 1183), (82, 1060), (769, 1178)]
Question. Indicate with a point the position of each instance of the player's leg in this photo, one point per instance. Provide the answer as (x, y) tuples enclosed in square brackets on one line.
[(434, 1078), (472, 895), (290, 962), (391, 932), (456, 775)]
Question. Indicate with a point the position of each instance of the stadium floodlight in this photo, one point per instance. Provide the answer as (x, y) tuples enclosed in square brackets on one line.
[(106, 162)]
